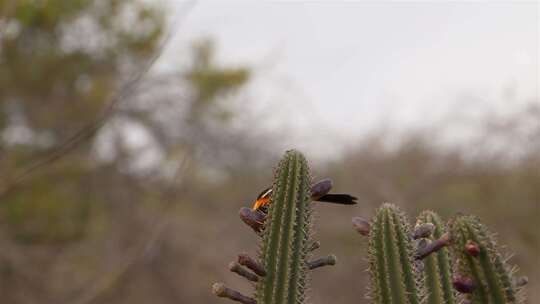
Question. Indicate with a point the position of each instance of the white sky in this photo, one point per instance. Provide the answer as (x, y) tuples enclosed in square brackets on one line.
[(361, 64)]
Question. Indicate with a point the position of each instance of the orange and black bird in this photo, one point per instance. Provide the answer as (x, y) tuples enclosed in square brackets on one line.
[(319, 193)]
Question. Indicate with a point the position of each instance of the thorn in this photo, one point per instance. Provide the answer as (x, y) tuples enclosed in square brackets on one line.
[(328, 260), (521, 281), (472, 248), (237, 268), (361, 225), (321, 188), (424, 248), (463, 284), (252, 218), (246, 260), (314, 246), (423, 231), (220, 290)]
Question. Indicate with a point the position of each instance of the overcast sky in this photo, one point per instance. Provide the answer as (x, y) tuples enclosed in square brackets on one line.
[(360, 64)]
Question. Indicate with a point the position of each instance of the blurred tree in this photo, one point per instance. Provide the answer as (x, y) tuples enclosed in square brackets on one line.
[(60, 61), (90, 213), (208, 81)]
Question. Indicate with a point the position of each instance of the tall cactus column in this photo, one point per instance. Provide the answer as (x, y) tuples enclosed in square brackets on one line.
[(437, 265), (394, 279), (286, 233), (482, 274), (280, 271)]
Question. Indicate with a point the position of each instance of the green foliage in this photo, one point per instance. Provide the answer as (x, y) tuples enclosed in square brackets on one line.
[(437, 266), (210, 81), (51, 208), (60, 61), (394, 277), (286, 234), (479, 259), (65, 58)]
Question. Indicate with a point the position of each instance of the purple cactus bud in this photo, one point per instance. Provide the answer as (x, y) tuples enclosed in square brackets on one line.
[(321, 188), (463, 284), (252, 218), (361, 225)]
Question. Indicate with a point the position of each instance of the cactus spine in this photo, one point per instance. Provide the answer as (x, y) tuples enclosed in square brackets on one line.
[(437, 265), (394, 279), (479, 260), (285, 239)]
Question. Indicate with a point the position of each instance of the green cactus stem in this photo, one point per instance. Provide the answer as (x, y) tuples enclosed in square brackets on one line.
[(286, 234), (437, 265), (280, 271), (394, 278), (479, 259)]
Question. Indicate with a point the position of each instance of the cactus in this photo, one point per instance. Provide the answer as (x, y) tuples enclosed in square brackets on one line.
[(406, 266), (279, 274), (483, 275), (437, 266), (285, 239), (394, 277), (472, 265)]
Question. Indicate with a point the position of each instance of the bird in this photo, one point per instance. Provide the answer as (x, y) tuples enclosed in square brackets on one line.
[(319, 193)]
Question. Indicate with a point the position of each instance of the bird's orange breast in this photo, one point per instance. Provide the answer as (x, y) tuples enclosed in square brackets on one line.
[(260, 202)]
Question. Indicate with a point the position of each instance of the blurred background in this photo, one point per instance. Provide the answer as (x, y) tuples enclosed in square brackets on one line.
[(131, 132)]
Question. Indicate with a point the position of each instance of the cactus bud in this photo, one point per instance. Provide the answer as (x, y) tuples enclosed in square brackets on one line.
[(220, 290), (246, 260), (423, 230), (472, 248), (361, 225), (325, 261), (463, 284), (237, 268), (321, 188), (252, 218)]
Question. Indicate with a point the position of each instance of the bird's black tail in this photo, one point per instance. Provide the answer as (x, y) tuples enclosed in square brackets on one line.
[(343, 199)]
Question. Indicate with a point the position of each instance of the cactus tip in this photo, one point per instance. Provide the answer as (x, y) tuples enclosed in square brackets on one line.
[(218, 289)]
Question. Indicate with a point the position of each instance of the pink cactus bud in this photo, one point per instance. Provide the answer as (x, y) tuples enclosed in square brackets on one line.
[(472, 248)]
